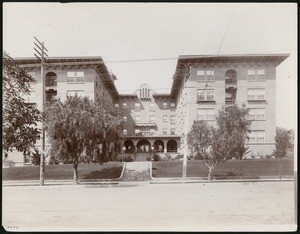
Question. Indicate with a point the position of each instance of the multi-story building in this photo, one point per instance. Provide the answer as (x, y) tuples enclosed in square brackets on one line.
[(66, 76), (149, 122), (202, 85)]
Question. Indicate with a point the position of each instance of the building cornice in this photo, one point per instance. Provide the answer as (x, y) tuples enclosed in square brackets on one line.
[(185, 61), (95, 62)]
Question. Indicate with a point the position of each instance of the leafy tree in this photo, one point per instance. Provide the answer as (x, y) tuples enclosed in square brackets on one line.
[(200, 140), (79, 124), (284, 142), (221, 143), (20, 119), (233, 126)]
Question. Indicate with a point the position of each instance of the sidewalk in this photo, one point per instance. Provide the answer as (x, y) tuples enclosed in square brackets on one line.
[(135, 183)]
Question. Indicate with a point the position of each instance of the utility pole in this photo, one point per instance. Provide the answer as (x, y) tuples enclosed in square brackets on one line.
[(185, 154), (40, 50)]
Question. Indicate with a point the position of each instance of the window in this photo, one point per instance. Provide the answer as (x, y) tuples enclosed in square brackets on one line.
[(205, 95), (152, 106), (206, 114), (152, 118), (50, 96), (256, 136), (200, 75), (71, 76), (205, 75), (124, 132), (256, 94), (165, 118), (256, 75), (124, 119), (75, 77), (173, 104), (260, 136), (210, 74), (80, 77), (260, 74), (172, 131), (117, 105), (137, 118), (260, 114), (251, 74), (124, 105), (137, 106), (27, 159), (165, 131), (260, 94), (165, 105), (172, 119), (72, 93), (256, 114)]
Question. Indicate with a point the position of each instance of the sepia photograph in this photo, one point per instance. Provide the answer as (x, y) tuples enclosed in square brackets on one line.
[(149, 117)]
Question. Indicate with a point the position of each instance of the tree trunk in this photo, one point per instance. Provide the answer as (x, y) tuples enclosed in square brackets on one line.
[(75, 172), (210, 174), (42, 169)]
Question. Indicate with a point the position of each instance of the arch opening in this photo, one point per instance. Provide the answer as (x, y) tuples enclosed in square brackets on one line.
[(171, 146), (159, 146), (231, 77), (51, 79), (129, 146)]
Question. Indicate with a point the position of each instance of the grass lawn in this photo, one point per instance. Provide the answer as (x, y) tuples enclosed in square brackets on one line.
[(110, 170), (242, 169)]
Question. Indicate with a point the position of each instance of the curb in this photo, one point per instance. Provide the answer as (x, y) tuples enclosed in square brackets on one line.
[(132, 183)]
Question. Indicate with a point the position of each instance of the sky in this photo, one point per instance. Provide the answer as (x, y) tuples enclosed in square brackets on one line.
[(119, 32)]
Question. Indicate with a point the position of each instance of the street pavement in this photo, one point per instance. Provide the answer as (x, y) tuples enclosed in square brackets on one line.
[(138, 206)]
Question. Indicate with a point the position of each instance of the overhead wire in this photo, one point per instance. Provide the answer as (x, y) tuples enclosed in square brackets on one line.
[(219, 49)]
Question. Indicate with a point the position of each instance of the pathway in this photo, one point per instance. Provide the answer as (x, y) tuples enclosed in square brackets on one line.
[(136, 171)]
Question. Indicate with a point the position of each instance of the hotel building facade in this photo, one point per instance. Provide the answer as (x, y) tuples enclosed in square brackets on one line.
[(202, 85)]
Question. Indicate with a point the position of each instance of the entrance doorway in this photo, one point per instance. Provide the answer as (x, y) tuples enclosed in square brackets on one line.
[(143, 146)]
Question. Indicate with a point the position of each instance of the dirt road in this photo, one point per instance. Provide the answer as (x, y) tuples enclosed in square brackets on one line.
[(197, 206)]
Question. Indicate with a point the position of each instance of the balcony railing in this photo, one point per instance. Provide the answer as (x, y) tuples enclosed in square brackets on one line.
[(230, 82), (145, 124), (229, 101), (145, 134), (50, 83)]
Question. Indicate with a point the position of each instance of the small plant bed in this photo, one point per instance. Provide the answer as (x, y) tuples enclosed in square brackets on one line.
[(232, 169), (110, 170)]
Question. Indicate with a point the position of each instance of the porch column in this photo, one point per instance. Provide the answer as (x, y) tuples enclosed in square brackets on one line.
[(165, 145)]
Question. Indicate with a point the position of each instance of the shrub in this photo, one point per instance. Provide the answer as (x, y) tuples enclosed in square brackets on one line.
[(167, 157), (127, 158), (53, 160), (156, 157), (178, 157), (149, 158)]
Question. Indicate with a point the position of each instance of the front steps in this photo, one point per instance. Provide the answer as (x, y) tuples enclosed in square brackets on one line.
[(142, 157)]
